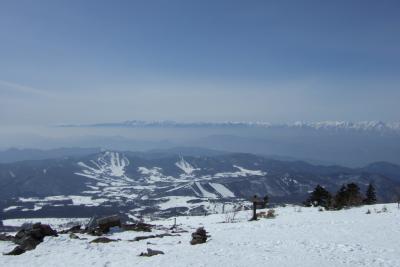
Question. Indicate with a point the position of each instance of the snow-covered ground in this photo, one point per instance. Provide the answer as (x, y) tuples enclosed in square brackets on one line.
[(296, 237), (56, 223)]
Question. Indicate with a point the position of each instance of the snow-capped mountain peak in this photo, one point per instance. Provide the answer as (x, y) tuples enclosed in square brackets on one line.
[(375, 126)]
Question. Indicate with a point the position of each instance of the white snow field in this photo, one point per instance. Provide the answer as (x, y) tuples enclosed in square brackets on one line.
[(296, 237)]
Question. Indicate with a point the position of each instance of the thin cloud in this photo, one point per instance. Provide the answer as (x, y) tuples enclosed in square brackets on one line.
[(5, 85)]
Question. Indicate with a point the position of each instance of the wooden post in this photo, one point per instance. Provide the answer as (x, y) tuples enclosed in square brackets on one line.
[(255, 201), (398, 201), (174, 227)]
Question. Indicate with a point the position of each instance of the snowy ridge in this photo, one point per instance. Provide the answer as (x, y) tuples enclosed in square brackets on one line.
[(376, 126)]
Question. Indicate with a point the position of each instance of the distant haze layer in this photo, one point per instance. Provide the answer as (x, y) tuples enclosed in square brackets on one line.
[(345, 143)]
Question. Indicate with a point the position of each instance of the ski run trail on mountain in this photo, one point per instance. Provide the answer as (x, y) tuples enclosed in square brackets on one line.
[(296, 237)]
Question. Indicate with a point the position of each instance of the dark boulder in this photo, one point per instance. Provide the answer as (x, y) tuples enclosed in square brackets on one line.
[(103, 240), (29, 237), (18, 250), (100, 226), (45, 229), (139, 227), (73, 236), (138, 238), (151, 252), (199, 237), (106, 223), (74, 229), (5, 237), (28, 242), (36, 233)]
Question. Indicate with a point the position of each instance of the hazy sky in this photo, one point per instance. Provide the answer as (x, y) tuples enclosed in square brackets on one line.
[(279, 61)]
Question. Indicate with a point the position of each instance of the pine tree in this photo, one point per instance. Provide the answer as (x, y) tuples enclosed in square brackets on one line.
[(319, 197), (265, 203), (370, 195), (341, 198), (348, 196), (354, 196)]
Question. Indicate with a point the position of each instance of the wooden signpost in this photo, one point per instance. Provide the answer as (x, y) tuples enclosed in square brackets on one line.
[(256, 201)]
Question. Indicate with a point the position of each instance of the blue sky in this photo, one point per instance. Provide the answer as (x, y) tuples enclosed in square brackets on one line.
[(279, 61)]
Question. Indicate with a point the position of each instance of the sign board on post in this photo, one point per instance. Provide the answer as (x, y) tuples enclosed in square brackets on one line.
[(256, 201)]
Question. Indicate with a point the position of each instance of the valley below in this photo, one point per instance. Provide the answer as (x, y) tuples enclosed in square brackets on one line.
[(154, 185)]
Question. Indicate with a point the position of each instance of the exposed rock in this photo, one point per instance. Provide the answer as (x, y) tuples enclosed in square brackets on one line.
[(73, 236), (45, 229), (37, 232), (5, 237), (139, 227), (16, 251), (106, 223), (178, 231), (100, 226), (96, 232), (74, 229), (199, 237), (92, 224), (138, 238), (103, 240), (29, 237), (8, 228), (151, 252), (28, 242)]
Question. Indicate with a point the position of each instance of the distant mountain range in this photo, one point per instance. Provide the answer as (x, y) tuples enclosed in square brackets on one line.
[(351, 144), (14, 154), (163, 183), (375, 126)]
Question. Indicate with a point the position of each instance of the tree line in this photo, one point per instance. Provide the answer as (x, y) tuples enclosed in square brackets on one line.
[(349, 195)]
